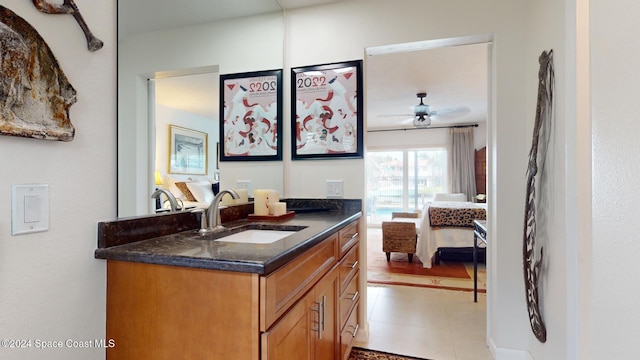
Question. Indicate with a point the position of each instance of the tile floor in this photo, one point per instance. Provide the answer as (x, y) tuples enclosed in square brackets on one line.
[(428, 323)]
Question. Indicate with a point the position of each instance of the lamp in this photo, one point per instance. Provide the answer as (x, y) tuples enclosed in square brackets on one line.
[(158, 178)]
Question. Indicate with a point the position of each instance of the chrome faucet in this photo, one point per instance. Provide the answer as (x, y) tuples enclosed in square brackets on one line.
[(213, 213), (172, 199)]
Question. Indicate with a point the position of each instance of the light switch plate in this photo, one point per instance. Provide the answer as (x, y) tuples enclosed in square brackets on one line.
[(29, 208), (334, 189)]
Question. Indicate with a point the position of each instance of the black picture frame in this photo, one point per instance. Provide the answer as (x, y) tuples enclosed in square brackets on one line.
[(326, 110), (251, 116)]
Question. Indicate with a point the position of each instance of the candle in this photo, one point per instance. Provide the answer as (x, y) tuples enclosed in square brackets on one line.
[(279, 208), (261, 202), (244, 196), (273, 198)]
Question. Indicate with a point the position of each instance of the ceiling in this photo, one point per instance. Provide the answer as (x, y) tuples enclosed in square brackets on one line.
[(135, 16), (453, 77)]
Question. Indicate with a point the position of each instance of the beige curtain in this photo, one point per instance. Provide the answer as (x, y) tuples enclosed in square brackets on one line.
[(462, 172)]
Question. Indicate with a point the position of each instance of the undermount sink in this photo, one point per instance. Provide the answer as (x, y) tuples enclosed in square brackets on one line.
[(252, 234), (257, 236)]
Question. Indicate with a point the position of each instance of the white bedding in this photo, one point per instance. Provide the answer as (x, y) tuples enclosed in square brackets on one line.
[(188, 205), (431, 239)]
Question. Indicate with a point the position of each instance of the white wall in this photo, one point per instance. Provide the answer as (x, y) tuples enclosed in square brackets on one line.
[(615, 132), (219, 45), (51, 287), (546, 28)]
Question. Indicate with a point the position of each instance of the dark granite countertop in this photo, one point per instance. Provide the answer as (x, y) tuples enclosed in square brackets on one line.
[(191, 249)]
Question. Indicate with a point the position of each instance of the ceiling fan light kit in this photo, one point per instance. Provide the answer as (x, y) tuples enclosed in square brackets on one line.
[(422, 112), (421, 121)]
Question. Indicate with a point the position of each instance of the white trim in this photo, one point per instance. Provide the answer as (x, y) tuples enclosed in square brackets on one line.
[(428, 44)]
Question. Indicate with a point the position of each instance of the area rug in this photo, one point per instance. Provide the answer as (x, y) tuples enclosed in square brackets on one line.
[(451, 275), (365, 354)]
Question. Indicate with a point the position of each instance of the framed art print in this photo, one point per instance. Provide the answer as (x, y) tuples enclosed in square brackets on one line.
[(326, 106), (251, 116), (187, 151)]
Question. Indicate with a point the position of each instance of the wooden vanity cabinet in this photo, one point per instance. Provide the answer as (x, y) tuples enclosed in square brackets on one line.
[(307, 309), (349, 289), (308, 330), (330, 306)]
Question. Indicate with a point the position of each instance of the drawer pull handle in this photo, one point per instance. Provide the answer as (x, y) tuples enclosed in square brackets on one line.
[(319, 328), (324, 311), (354, 236), (355, 264), (354, 296), (355, 331)]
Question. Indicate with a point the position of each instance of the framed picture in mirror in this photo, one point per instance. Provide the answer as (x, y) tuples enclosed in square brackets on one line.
[(188, 151), (251, 116), (326, 108)]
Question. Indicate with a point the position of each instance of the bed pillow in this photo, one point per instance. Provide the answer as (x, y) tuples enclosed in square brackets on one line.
[(184, 188), (169, 183), (450, 197), (202, 191)]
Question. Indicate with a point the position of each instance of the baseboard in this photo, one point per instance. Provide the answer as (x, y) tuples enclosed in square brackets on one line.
[(362, 336), (508, 354)]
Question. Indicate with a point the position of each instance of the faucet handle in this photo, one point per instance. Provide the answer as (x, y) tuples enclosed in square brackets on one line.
[(203, 219)]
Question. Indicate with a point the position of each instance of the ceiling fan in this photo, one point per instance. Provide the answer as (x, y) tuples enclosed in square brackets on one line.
[(422, 113)]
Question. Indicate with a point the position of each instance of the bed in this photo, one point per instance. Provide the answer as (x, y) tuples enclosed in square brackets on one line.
[(191, 193), (447, 224)]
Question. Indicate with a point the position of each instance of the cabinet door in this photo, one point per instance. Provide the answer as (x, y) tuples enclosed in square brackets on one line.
[(323, 315), (292, 336)]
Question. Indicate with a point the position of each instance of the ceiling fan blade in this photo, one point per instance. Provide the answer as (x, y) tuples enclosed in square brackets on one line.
[(450, 113), (395, 115)]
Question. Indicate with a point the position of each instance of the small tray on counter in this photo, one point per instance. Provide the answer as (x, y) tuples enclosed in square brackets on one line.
[(287, 215)]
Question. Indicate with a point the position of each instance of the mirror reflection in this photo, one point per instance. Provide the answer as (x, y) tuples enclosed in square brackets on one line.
[(162, 58)]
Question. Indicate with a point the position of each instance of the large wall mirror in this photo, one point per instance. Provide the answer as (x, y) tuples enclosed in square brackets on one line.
[(165, 45)]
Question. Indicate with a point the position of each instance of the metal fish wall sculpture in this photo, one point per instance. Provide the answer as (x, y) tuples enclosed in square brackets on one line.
[(533, 267), (70, 7), (35, 94)]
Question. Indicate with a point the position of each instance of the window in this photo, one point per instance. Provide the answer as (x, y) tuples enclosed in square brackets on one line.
[(403, 180)]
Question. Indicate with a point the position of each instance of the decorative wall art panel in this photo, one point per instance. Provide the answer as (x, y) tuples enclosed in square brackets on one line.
[(35, 94), (534, 209), (251, 113), (188, 151), (327, 105)]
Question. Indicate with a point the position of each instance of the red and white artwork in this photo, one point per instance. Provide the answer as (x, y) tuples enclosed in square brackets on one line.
[(250, 110), (326, 111)]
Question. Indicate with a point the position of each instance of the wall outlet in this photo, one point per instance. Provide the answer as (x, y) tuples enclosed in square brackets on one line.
[(334, 189), (244, 184)]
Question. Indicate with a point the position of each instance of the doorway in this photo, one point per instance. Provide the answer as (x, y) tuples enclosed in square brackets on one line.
[(454, 73), (188, 100)]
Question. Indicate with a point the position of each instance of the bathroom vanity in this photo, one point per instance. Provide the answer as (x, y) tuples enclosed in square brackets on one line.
[(185, 295)]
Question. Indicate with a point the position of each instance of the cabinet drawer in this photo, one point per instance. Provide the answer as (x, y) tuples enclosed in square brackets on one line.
[(348, 237), (348, 333), (349, 298), (281, 289), (349, 265)]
